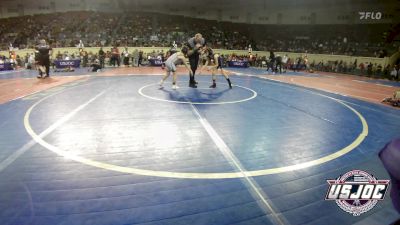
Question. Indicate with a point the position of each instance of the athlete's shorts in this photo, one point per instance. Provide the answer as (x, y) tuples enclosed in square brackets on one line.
[(219, 63), (170, 67)]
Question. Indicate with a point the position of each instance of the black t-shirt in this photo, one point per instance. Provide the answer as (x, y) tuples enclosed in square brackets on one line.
[(43, 53), (44, 50), (278, 59), (272, 57), (192, 45)]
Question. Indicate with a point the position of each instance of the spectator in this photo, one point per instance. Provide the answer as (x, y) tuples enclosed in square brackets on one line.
[(99, 29), (115, 56), (140, 58), (125, 56), (135, 59), (362, 68), (102, 57), (95, 66)]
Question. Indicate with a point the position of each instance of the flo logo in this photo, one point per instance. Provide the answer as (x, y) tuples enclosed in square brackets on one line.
[(356, 191), (370, 15)]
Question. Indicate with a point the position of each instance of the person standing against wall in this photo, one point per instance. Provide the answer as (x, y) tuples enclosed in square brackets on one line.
[(135, 58), (102, 57), (115, 56)]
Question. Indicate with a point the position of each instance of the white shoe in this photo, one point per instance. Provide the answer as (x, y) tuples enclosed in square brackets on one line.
[(161, 83), (175, 87)]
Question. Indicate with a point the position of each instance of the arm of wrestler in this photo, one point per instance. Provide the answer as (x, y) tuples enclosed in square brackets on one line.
[(195, 49), (183, 58), (192, 47), (199, 50), (203, 66)]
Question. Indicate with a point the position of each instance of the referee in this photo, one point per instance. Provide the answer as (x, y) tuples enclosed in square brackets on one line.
[(195, 44), (43, 57)]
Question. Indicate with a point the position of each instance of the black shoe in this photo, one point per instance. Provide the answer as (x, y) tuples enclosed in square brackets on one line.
[(192, 85), (47, 76), (214, 85), (229, 82)]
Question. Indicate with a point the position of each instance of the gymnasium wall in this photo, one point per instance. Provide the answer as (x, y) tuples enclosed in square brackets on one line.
[(311, 57), (255, 11)]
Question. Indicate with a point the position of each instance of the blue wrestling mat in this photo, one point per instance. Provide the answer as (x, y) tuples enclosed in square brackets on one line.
[(122, 150)]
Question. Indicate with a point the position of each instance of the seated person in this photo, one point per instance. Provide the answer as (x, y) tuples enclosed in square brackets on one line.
[(95, 66), (395, 100)]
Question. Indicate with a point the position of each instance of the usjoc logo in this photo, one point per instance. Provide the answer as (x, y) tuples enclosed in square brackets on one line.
[(67, 63), (370, 15), (356, 191)]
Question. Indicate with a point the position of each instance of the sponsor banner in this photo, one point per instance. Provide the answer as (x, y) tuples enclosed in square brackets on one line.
[(5, 66), (155, 62), (67, 63), (241, 64)]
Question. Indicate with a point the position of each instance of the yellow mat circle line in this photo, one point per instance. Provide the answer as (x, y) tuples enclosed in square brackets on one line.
[(169, 174)]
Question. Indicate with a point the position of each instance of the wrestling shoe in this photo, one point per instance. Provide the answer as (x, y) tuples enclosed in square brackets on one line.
[(214, 85), (229, 82), (192, 85)]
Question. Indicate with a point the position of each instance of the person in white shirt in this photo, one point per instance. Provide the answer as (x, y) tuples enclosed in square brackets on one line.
[(31, 60), (285, 59), (80, 45), (125, 55), (174, 46), (135, 59), (171, 63), (250, 50)]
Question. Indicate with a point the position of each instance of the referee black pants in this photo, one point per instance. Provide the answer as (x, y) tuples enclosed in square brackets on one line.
[(194, 62), (46, 64)]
